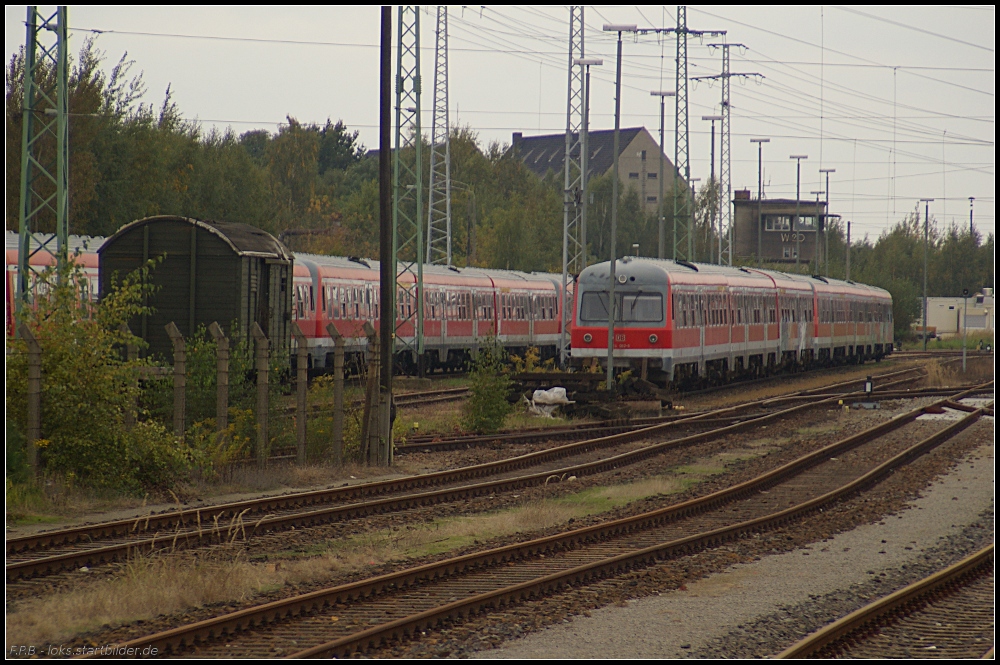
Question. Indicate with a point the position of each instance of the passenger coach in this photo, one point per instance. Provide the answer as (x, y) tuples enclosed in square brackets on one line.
[(681, 322)]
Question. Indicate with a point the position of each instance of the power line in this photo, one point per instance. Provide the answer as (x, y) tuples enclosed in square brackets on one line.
[(914, 28)]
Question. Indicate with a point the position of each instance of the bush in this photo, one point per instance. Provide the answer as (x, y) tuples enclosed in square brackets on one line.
[(490, 384), (88, 387)]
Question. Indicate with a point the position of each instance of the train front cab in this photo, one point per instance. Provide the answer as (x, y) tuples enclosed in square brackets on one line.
[(643, 340)]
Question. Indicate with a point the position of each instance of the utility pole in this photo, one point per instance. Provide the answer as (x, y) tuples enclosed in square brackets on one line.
[(572, 249), (795, 226), (44, 166), (816, 253), (614, 204), (971, 227), (661, 243), (725, 166), (711, 179), (585, 155), (387, 269), (927, 217), (407, 213), (827, 212), (760, 195), (439, 190), (847, 264), (683, 208)]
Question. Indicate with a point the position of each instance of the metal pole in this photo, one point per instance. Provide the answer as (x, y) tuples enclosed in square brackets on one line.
[(816, 253), (584, 165), (927, 207), (614, 220), (847, 266), (760, 195), (826, 245), (387, 262), (661, 227), (711, 214), (795, 225), (711, 179), (965, 323)]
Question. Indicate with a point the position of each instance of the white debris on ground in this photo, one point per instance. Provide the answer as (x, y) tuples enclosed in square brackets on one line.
[(545, 402)]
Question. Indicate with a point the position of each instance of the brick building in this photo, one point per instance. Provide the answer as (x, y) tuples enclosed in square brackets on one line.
[(638, 159)]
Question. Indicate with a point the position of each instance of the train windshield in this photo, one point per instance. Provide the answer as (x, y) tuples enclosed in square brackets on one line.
[(630, 307)]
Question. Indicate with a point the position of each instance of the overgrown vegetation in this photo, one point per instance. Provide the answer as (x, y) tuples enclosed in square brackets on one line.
[(88, 387), (489, 385)]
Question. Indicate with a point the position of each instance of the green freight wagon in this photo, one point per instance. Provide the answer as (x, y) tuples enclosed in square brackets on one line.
[(211, 271)]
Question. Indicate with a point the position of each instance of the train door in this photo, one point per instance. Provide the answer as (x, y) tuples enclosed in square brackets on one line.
[(784, 324), (702, 302), (532, 307), (740, 323)]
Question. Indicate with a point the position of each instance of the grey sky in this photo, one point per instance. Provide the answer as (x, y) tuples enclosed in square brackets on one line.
[(900, 100)]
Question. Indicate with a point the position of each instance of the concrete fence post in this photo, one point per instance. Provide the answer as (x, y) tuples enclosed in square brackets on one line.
[(338, 393), (261, 365), (221, 376), (301, 389), (131, 353), (369, 425), (180, 376), (34, 432)]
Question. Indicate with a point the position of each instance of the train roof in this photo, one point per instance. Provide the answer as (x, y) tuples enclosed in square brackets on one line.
[(82, 244), (436, 273), (650, 270)]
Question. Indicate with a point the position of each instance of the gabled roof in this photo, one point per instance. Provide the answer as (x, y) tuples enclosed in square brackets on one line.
[(547, 153)]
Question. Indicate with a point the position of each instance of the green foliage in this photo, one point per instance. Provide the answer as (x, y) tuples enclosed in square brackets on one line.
[(87, 388), (489, 383)]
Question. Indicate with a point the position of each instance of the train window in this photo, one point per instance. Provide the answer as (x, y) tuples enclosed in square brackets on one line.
[(641, 307), (594, 306)]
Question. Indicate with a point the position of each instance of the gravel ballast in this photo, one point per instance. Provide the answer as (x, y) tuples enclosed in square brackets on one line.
[(759, 608)]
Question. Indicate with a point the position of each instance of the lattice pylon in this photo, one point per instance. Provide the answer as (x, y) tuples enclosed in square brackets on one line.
[(44, 169), (407, 207), (725, 181), (575, 180), (683, 237), (439, 197)]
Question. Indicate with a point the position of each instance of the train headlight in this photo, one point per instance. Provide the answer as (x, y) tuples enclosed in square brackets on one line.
[(653, 339), (588, 338)]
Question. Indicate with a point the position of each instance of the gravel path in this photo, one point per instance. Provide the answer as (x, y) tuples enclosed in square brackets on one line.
[(757, 609)]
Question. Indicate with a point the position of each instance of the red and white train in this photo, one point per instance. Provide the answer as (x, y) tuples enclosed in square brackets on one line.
[(680, 322), (461, 307), (82, 250), (677, 322)]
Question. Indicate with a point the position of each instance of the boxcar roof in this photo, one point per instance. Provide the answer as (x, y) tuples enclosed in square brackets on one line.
[(244, 240)]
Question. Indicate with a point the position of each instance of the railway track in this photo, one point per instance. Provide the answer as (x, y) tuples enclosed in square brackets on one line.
[(950, 614), (49, 552), (355, 617)]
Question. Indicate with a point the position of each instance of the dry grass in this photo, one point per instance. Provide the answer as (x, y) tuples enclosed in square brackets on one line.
[(940, 373), (156, 585), (150, 585)]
